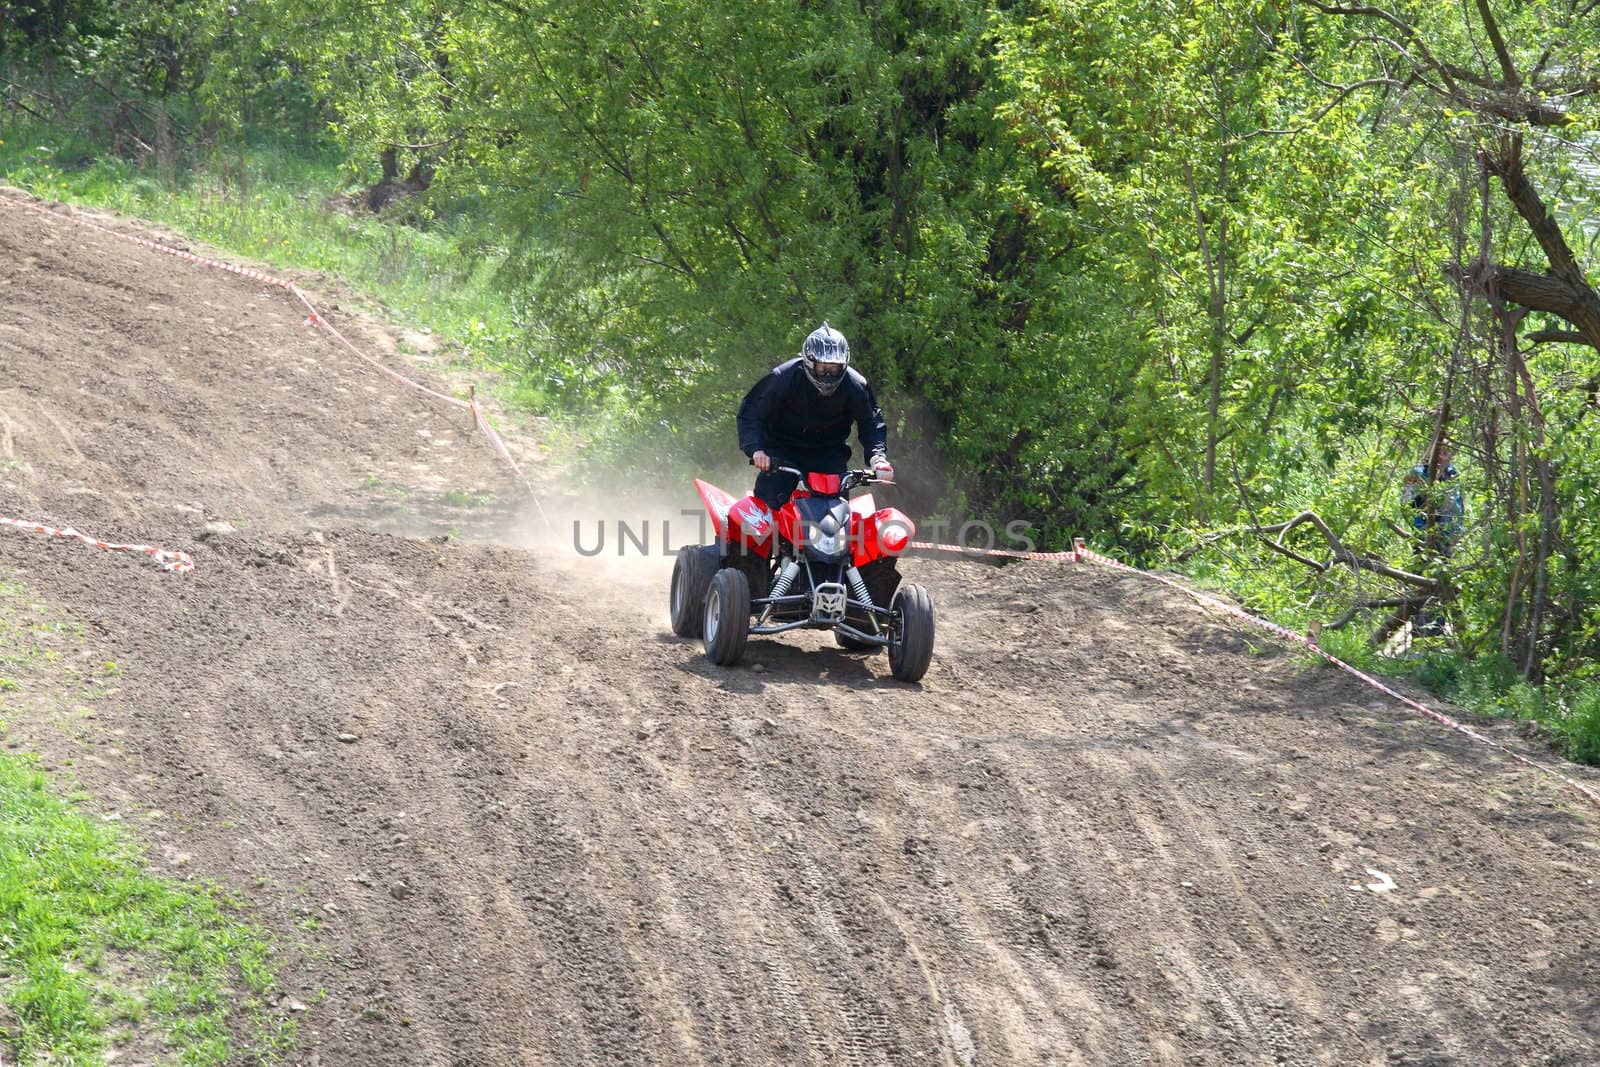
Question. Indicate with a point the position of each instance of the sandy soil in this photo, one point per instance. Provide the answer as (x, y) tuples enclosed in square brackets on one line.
[(1108, 828)]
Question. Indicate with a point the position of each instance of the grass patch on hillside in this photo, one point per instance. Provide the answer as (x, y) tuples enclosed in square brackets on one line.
[(95, 953)]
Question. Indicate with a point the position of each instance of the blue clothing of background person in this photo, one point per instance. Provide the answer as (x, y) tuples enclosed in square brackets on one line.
[(1439, 514)]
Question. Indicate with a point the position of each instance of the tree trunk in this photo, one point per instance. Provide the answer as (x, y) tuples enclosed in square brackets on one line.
[(166, 154), (1565, 290), (1215, 261), (1549, 516)]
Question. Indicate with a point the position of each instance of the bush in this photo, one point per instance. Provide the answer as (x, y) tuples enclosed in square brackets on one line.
[(1581, 726)]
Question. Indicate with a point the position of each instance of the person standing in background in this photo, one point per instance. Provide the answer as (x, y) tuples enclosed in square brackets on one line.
[(1438, 515)]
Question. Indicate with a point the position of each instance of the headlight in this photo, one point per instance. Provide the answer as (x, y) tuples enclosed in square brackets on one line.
[(827, 537), (827, 544)]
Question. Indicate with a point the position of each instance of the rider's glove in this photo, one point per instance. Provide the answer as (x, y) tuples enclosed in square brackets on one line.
[(882, 469)]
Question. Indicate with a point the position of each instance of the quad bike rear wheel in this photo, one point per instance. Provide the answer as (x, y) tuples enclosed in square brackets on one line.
[(910, 633), (691, 580), (727, 615), (757, 571)]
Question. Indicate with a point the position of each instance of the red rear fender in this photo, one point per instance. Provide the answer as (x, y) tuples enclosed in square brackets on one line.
[(744, 521), (718, 502)]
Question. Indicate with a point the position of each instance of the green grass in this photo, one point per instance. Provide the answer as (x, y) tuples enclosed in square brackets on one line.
[(467, 498), (96, 953)]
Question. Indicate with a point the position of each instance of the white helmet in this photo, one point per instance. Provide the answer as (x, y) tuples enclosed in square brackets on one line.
[(826, 356)]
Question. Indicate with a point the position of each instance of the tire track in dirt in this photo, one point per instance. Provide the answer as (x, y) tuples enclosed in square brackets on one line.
[(556, 835)]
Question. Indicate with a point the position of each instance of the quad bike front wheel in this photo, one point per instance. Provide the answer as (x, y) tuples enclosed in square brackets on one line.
[(691, 581), (727, 615), (910, 633)]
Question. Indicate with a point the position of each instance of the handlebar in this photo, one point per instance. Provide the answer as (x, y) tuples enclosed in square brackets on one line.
[(849, 480)]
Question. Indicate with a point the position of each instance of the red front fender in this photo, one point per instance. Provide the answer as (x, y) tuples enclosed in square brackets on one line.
[(885, 532)]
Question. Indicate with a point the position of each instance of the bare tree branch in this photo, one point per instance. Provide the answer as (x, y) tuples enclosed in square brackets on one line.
[(1340, 92), (1548, 337), (1339, 555), (1349, 616), (1407, 31), (18, 103), (1492, 28)]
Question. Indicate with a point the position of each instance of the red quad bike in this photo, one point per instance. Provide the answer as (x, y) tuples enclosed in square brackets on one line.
[(826, 563)]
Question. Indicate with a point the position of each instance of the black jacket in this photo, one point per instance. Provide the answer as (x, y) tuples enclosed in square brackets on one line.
[(784, 411)]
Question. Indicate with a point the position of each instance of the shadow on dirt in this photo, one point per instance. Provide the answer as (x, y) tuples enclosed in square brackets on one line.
[(774, 663)]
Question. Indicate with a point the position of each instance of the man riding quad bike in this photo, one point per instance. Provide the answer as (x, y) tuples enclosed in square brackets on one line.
[(799, 552)]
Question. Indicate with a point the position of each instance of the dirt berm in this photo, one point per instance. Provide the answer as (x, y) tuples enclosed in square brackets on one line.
[(532, 827)]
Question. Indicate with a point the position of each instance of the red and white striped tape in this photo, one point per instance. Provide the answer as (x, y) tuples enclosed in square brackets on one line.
[(313, 318), (999, 553), (175, 562), (1082, 552), (231, 268), (499, 445)]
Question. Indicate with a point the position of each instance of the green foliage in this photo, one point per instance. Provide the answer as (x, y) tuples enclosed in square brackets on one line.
[(1252, 253), (1580, 724), (49, 28), (692, 186), (165, 86)]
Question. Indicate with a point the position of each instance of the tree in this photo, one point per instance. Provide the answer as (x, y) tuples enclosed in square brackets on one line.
[(695, 185), (1162, 120), (1511, 90)]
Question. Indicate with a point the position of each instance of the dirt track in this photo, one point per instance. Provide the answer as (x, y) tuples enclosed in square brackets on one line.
[(1108, 829)]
